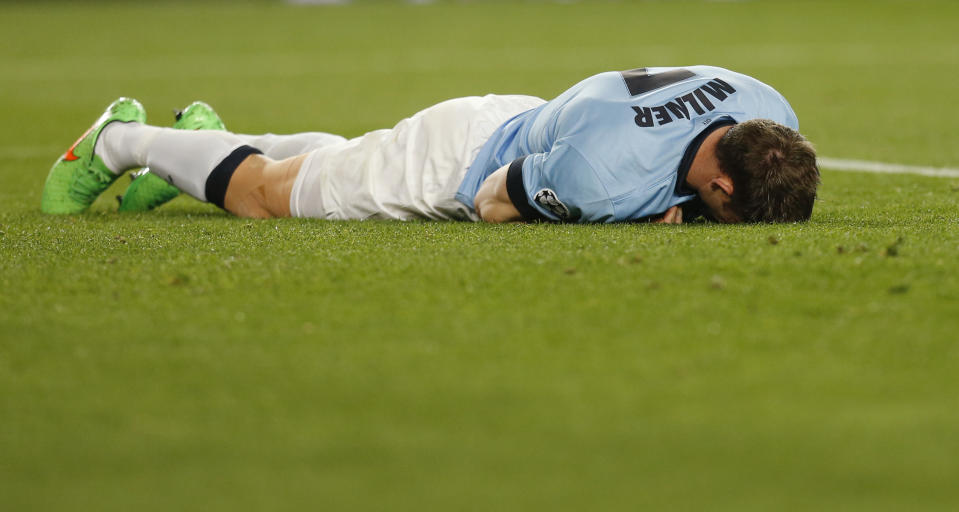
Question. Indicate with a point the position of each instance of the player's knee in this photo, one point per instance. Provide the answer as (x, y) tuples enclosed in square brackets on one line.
[(279, 177), (261, 187), (244, 193)]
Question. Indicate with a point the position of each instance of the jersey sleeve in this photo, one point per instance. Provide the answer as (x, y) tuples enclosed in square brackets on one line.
[(559, 185)]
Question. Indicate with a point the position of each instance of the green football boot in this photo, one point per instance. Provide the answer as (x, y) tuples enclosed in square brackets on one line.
[(79, 176), (148, 191)]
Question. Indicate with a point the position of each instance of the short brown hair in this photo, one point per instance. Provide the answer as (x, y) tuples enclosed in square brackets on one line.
[(773, 169)]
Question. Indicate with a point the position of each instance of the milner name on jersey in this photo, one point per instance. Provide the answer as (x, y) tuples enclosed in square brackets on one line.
[(647, 117)]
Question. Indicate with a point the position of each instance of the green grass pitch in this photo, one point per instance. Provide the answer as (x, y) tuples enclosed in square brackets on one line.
[(187, 360)]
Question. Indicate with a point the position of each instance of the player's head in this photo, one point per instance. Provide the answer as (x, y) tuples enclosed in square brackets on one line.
[(773, 170)]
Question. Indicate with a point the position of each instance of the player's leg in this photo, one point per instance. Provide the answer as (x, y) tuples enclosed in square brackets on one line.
[(212, 166), (201, 163), (410, 171), (261, 187), (147, 190), (185, 159), (279, 147)]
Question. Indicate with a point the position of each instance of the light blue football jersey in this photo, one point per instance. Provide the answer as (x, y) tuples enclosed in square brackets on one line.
[(617, 146)]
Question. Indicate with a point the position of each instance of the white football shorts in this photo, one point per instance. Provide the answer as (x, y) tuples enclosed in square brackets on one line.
[(411, 171)]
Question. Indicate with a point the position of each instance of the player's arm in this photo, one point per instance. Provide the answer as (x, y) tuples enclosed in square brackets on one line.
[(674, 215), (557, 186), (492, 202)]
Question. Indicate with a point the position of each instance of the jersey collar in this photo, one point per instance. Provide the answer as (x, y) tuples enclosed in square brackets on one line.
[(682, 189)]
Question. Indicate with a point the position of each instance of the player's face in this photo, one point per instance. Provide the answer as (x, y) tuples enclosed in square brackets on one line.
[(718, 209)]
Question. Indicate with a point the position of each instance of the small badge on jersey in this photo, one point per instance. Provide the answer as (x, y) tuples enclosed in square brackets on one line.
[(547, 199)]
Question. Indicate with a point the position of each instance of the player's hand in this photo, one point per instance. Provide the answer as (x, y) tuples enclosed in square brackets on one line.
[(673, 215)]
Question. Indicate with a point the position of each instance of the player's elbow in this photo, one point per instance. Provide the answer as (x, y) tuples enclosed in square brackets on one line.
[(492, 202), (485, 208), (485, 203), (492, 210)]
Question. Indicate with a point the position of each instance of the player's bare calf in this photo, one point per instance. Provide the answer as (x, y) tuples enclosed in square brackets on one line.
[(260, 187)]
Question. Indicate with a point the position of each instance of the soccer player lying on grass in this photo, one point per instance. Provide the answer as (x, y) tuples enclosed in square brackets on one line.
[(618, 146)]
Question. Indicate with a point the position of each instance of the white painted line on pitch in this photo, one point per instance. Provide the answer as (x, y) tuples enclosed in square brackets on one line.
[(841, 164)]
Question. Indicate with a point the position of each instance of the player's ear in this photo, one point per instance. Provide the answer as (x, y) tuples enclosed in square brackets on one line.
[(722, 182)]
